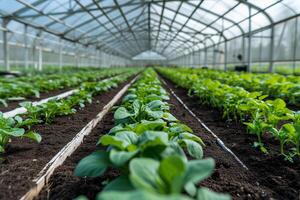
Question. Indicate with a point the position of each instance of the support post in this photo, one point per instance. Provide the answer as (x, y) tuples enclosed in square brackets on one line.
[(225, 55), (214, 57), (76, 55), (40, 59), (244, 49), (205, 57), (249, 42), (271, 67), (60, 55), (5, 45), (26, 59), (200, 57), (295, 46)]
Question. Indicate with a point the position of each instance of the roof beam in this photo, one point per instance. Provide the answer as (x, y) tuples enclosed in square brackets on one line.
[(111, 21), (127, 23), (123, 53)]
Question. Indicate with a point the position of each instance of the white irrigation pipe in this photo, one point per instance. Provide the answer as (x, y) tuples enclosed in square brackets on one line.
[(45, 174), (22, 110), (219, 141)]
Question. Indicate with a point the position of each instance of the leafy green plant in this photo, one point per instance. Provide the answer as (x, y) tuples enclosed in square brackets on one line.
[(149, 146), (226, 92), (10, 128), (167, 179)]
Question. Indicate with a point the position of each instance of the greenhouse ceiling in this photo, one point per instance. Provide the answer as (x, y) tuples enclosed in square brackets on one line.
[(128, 27)]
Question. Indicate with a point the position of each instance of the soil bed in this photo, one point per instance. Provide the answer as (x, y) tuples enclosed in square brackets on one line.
[(64, 185), (229, 176), (280, 178), (14, 104), (25, 159)]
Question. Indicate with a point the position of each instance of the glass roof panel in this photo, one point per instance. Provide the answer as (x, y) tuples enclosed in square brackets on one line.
[(218, 6), (281, 11), (10, 6), (76, 19)]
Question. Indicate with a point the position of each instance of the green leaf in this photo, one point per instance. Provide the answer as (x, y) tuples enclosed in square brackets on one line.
[(289, 128), (2, 149), (156, 105), (136, 107), (116, 129), (179, 128), (18, 119), (191, 189), (127, 136), (3, 102), (93, 165), (129, 97), (172, 170), (144, 125), (122, 139), (138, 195), (81, 197), (194, 149), (16, 132), (206, 194), (186, 135), (112, 140), (279, 104), (173, 149), (144, 175), (153, 142), (169, 117), (34, 136), (121, 183), (155, 114), (198, 170), (119, 158), (122, 113), (263, 97)]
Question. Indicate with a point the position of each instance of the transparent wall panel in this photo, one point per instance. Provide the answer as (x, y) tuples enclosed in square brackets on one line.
[(284, 39)]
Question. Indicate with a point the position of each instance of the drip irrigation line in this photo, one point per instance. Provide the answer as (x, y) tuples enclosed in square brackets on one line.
[(219, 141)]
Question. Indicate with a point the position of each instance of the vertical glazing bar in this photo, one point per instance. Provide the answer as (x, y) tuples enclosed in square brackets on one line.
[(244, 49), (205, 57), (76, 54), (225, 55), (40, 60), (60, 54), (5, 45), (271, 67), (295, 46), (249, 41), (26, 59), (200, 58), (214, 57)]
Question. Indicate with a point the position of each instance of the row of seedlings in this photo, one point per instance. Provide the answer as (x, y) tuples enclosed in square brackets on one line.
[(18, 88), (19, 126), (273, 85), (260, 117), (158, 156)]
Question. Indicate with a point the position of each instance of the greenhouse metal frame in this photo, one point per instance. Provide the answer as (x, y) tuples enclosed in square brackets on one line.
[(188, 33)]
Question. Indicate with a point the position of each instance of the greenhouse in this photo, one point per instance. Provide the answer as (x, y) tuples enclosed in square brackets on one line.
[(150, 99)]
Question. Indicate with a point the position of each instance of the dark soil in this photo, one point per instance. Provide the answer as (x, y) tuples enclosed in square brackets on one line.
[(270, 172), (25, 159), (294, 107), (14, 104), (64, 185), (229, 176)]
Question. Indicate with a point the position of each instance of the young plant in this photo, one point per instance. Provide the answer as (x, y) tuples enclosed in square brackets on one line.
[(10, 128), (148, 145)]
